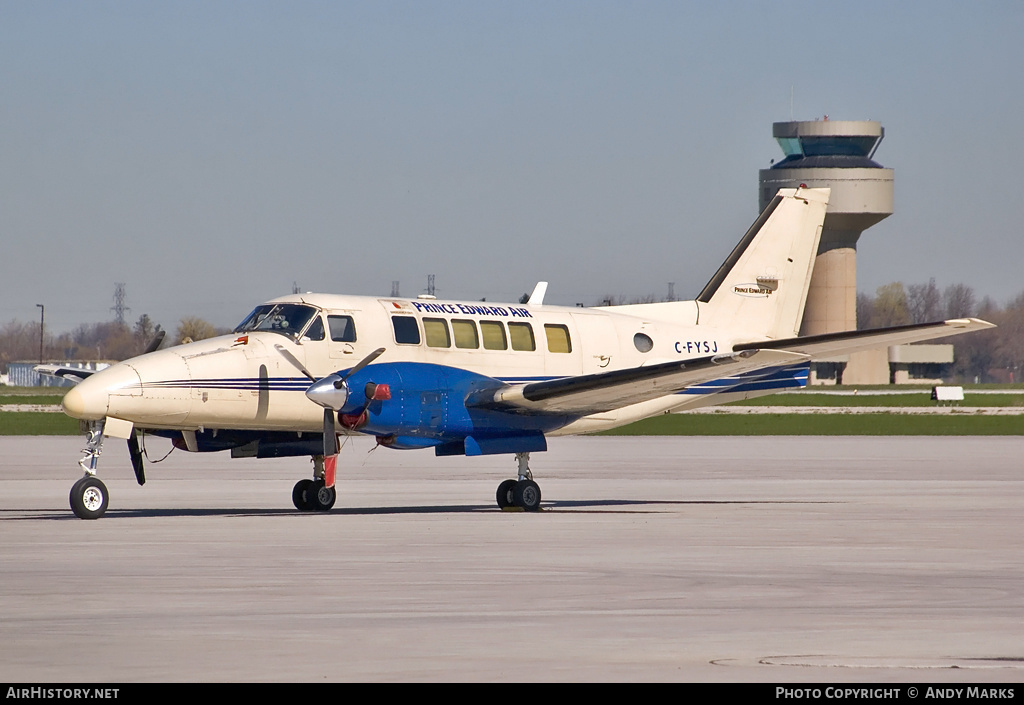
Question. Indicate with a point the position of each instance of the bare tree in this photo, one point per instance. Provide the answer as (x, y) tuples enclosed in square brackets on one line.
[(145, 332), (865, 310), (958, 300), (1009, 344), (19, 341), (924, 302)]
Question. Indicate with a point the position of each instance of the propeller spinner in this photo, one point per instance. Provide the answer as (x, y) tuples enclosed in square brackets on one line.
[(331, 392)]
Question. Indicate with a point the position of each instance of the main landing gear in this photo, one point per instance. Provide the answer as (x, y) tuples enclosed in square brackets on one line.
[(89, 496), (314, 495), (523, 493)]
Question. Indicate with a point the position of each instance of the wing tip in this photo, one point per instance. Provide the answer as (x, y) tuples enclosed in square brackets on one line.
[(969, 323)]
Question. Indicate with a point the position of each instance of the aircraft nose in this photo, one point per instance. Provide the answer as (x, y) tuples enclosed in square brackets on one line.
[(74, 403), (90, 399), (85, 402)]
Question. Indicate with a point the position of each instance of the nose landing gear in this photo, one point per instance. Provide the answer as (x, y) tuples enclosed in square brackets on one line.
[(89, 496)]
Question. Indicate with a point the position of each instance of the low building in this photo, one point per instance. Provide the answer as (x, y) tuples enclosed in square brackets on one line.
[(23, 374), (898, 364)]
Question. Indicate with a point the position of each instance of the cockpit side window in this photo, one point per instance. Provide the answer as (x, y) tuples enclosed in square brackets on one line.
[(315, 330), (343, 329)]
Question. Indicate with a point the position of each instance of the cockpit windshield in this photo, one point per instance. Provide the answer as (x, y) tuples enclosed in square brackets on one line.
[(287, 319)]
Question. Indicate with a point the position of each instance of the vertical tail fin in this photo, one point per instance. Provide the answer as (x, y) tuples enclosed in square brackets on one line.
[(762, 286)]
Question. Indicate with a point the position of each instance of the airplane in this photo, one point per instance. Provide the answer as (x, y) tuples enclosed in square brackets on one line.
[(471, 378)]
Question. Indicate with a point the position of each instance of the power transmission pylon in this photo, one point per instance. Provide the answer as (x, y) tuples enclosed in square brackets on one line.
[(119, 309)]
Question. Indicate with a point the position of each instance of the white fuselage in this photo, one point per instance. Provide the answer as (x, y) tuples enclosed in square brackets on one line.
[(253, 380)]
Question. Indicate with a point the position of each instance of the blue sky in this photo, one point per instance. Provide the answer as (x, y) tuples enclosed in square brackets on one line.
[(210, 154)]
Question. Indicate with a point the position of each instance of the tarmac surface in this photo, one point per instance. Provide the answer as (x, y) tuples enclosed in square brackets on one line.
[(759, 559)]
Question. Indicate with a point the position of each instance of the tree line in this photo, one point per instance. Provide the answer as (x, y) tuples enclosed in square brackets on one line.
[(20, 342), (995, 355)]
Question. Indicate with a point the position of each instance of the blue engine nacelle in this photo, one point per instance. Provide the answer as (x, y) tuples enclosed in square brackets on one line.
[(428, 408)]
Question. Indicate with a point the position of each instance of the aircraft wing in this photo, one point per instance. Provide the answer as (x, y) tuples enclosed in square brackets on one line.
[(74, 374), (832, 344), (591, 394)]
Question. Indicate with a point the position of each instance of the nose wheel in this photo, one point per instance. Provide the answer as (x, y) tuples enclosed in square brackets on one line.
[(89, 498)]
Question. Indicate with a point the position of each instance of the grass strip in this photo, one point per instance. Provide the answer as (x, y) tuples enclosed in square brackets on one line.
[(881, 424), (37, 423), (921, 399), (51, 399)]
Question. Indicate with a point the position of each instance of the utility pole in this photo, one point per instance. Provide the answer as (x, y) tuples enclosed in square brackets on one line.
[(42, 327), (430, 285), (394, 288)]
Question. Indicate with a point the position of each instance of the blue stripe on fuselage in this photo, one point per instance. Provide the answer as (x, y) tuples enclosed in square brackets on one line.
[(759, 380)]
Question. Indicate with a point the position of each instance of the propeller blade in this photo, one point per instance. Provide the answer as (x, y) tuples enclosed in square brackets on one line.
[(294, 361), (364, 362), (330, 437), (136, 454), (155, 342)]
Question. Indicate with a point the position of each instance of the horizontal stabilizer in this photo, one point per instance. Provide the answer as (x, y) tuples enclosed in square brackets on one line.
[(833, 344), (74, 374), (591, 394)]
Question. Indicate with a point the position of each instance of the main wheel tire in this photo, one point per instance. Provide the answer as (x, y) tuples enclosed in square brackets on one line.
[(504, 494), (300, 495), (526, 494), (89, 498), (320, 497)]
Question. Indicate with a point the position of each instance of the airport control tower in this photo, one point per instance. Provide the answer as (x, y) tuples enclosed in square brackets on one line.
[(835, 154)]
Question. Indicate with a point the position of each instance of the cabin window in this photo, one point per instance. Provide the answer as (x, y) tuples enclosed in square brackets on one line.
[(643, 342), (493, 333), (343, 329), (522, 336), (315, 330), (436, 332), (558, 338), (465, 334), (406, 330)]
